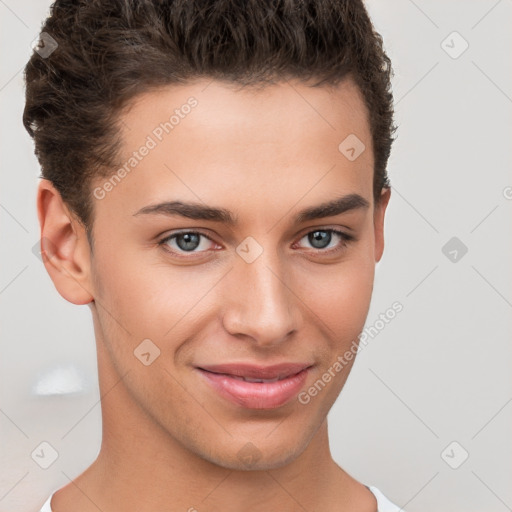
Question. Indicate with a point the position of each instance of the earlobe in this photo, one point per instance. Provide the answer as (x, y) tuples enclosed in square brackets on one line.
[(64, 246), (378, 222)]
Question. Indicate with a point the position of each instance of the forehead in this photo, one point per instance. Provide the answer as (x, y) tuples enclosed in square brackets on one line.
[(270, 145), (225, 111)]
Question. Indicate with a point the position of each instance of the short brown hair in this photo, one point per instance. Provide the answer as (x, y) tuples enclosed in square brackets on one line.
[(111, 50)]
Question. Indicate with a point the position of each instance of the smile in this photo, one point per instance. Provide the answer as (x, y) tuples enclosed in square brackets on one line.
[(256, 387)]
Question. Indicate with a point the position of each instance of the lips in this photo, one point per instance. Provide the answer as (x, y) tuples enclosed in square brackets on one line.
[(256, 387)]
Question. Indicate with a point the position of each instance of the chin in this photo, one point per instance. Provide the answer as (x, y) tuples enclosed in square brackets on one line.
[(256, 456)]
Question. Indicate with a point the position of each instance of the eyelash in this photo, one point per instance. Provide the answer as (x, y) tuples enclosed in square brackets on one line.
[(345, 240)]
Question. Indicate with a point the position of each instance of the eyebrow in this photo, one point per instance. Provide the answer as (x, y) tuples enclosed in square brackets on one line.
[(198, 211)]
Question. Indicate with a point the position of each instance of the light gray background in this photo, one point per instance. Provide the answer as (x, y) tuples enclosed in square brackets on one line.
[(438, 373)]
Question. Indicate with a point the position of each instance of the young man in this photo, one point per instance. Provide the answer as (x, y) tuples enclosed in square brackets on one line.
[(214, 188)]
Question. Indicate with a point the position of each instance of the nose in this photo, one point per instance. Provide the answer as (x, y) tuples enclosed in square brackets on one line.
[(262, 304)]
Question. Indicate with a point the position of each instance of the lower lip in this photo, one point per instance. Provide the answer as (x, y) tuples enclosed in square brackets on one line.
[(256, 395)]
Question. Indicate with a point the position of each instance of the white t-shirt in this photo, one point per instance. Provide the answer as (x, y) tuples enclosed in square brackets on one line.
[(383, 504)]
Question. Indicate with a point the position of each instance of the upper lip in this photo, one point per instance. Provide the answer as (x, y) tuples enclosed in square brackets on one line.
[(254, 371)]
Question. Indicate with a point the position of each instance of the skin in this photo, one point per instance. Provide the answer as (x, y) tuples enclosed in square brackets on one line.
[(169, 441)]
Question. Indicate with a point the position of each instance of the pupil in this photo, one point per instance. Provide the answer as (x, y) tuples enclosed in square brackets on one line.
[(320, 239), (191, 241)]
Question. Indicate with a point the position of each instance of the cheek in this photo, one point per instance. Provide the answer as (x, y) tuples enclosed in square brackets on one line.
[(126, 299), (341, 294), (148, 298)]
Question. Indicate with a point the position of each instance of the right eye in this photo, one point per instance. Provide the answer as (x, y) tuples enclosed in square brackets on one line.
[(186, 242)]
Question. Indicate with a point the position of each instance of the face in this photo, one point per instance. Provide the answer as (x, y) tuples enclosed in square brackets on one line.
[(213, 262)]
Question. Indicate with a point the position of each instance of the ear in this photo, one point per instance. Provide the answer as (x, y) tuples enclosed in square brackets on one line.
[(65, 249), (378, 222)]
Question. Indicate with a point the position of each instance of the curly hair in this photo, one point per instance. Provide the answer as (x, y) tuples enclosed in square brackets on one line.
[(105, 52)]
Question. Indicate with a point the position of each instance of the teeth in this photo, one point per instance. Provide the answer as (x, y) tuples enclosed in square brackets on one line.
[(248, 379)]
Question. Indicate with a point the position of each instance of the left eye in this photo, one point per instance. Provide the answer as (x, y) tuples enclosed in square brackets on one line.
[(321, 239)]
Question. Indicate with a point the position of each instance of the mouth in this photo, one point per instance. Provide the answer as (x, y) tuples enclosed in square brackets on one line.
[(256, 387)]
